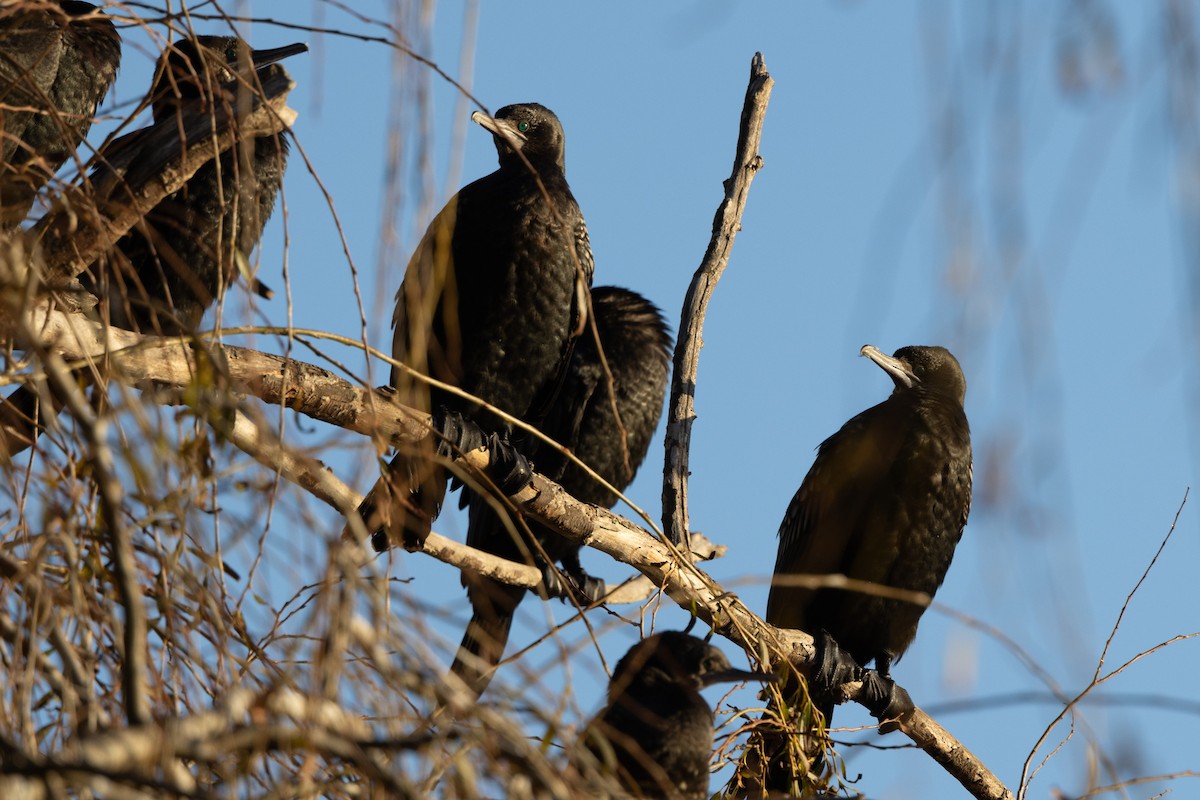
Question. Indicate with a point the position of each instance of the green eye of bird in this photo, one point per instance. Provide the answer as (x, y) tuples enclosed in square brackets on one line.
[(523, 126)]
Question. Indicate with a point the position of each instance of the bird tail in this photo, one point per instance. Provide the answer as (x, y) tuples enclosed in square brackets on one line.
[(22, 416), (493, 605), (401, 506)]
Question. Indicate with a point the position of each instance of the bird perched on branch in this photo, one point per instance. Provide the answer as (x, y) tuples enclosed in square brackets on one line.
[(491, 303), (56, 66), (171, 267), (636, 344), (655, 735), (885, 502)]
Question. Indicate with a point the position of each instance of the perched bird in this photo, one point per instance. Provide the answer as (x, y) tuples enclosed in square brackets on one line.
[(636, 343), (168, 270), (885, 501), (492, 302), (656, 733), (56, 66), (162, 275)]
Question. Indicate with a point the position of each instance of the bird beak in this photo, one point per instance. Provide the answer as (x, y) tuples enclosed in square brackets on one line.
[(901, 373), (500, 128), (734, 676), (261, 58)]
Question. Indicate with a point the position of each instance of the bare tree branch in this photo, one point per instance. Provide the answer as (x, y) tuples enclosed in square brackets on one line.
[(728, 221), (245, 722)]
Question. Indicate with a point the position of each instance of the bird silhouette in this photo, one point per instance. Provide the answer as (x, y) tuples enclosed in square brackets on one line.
[(491, 303), (885, 502), (636, 343)]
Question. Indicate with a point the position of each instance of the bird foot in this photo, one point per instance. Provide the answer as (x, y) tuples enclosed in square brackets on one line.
[(835, 667), (885, 700), (572, 582), (380, 542), (411, 537), (457, 434), (508, 469)]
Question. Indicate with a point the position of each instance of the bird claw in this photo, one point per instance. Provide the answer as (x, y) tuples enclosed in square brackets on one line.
[(592, 588), (507, 467), (835, 666), (885, 700), (572, 583), (457, 434), (552, 581)]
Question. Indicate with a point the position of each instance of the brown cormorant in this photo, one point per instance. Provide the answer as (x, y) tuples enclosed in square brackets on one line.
[(884, 502)]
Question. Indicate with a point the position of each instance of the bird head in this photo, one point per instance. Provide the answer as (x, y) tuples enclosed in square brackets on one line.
[(201, 66), (929, 369), (529, 128), (674, 658)]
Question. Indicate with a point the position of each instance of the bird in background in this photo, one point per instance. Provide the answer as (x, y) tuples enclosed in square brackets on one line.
[(655, 735), (179, 259), (56, 66), (175, 263), (636, 342), (493, 299), (885, 501)]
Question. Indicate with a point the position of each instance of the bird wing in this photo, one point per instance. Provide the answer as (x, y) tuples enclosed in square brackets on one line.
[(424, 337), (583, 280), (821, 529), (564, 419)]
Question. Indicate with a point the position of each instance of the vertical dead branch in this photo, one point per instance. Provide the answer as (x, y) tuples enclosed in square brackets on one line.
[(726, 224)]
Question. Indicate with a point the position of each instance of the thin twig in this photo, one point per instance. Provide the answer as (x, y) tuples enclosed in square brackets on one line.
[(1097, 680), (125, 575)]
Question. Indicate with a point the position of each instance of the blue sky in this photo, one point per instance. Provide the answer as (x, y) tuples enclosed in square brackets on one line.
[(935, 173)]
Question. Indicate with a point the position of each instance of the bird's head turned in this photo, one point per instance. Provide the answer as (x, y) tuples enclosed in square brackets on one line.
[(198, 66), (673, 658), (532, 129), (930, 369)]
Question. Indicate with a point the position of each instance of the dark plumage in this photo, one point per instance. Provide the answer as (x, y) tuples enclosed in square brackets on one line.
[(885, 501), (58, 64), (636, 343), (175, 263), (173, 266), (492, 301), (656, 733)]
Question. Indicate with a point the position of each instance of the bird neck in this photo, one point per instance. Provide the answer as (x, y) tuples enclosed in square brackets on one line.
[(545, 166)]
